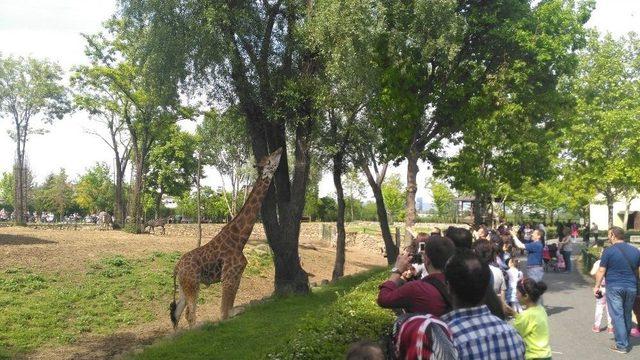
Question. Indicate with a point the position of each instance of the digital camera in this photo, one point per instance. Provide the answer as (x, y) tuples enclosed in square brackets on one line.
[(416, 258)]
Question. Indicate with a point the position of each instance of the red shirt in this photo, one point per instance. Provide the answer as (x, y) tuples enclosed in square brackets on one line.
[(414, 296)]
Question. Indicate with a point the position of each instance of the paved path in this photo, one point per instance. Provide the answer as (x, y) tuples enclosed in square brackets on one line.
[(570, 305)]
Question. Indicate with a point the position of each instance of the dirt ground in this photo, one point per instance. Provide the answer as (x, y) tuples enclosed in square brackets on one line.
[(69, 251)]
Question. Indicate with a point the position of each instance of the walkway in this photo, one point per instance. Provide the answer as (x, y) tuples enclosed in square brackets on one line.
[(570, 305)]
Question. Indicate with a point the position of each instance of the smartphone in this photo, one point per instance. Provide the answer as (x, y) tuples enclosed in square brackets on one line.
[(421, 246)]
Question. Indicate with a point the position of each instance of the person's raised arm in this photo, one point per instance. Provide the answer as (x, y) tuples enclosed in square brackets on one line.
[(516, 241)]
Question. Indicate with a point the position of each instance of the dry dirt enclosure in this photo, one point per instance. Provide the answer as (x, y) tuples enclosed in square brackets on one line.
[(69, 253)]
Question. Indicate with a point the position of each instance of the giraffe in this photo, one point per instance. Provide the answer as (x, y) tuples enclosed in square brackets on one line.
[(221, 259)]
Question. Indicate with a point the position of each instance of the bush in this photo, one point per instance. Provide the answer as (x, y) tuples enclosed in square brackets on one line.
[(353, 316)]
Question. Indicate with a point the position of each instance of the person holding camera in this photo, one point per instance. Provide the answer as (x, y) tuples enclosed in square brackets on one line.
[(426, 296)]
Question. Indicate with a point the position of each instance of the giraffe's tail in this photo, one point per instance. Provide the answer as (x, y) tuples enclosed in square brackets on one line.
[(173, 306)]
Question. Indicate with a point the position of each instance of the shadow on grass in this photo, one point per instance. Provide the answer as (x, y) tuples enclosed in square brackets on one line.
[(261, 329), (6, 239)]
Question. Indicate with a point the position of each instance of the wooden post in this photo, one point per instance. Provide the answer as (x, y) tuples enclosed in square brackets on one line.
[(198, 190)]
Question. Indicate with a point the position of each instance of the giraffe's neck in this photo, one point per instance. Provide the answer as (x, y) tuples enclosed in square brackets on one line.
[(242, 223)]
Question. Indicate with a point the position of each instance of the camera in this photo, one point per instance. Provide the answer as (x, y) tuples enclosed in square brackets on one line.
[(598, 294), (416, 258)]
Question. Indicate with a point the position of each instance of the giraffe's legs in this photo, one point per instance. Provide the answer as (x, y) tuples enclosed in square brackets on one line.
[(230, 283), (191, 309), (180, 305)]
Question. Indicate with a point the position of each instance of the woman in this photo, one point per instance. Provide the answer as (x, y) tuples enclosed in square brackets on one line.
[(566, 247)]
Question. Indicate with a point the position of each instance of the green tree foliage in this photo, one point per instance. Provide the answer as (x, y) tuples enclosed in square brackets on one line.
[(56, 194), (250, 54), (7, 184), (327, 208), (442, 198), (95, 189), (225, 145), (30, 89), (172, 165), (312, 198), (213, 205), (603, 142), (152, 104), (521, 107), (109, 106), (393, 191)]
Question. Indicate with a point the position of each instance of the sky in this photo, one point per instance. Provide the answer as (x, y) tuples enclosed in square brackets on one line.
[(52, 29)]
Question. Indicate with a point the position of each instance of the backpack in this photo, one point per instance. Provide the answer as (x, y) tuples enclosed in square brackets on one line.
[(424, 337)]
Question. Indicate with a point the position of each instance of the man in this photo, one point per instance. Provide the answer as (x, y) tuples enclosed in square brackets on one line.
[(619, 267), (461, 237), (534, 249), (463, 240), (419, 296), (477, 334)]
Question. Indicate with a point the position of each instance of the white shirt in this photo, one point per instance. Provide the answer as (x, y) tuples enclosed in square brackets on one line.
[(498, 279), (514, 276)]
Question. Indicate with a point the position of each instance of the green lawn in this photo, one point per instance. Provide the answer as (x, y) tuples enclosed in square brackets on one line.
[(112, 293), (318, 326)]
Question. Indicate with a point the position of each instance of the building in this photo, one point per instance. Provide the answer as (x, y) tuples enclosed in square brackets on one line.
[(599, 214)]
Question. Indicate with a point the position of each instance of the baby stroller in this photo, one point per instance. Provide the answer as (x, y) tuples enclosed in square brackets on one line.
[(550, 256)]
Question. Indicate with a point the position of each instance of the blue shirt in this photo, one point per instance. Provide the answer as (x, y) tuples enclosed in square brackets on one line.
[(619, 273), (534, 253), (479, 335)]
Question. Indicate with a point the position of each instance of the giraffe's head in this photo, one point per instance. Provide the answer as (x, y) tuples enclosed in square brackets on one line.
[(268, 165)]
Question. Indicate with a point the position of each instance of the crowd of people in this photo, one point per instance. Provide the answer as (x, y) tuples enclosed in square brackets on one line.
[(461, 294)]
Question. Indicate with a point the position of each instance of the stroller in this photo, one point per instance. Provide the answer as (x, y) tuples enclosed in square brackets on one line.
[(550, 255)]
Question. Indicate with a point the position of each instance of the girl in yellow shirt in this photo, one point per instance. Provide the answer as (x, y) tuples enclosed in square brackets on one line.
[(532, 324)]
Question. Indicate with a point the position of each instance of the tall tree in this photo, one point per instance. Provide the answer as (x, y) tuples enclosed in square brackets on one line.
[(154, 103), (355, 188), (55, 194), (172, 165), (520, 108), (226, 146), (7, 192), (603, 142), (252, 52), (442, 198), (107, 105), (30, 89), (94, 190)]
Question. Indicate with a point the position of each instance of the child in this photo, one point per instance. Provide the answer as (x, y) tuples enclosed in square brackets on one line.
[(601, 303), (532, 324), (514, 275)]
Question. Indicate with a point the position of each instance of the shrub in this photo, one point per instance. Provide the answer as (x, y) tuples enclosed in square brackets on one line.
[(327, 334)]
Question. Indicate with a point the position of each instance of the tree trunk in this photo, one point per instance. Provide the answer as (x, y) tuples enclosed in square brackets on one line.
[(480, 208), (338, 267), (157, 203), (390, 247), (135, 205), (119, 206), (610, 200), (18, 174), (412, 188), (198, 199)]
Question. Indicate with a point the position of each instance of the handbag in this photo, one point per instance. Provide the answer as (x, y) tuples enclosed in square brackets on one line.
[(633, 269)]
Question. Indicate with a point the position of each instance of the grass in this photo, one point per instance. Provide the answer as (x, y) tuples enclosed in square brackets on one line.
[(318, 326), (114, 292)]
